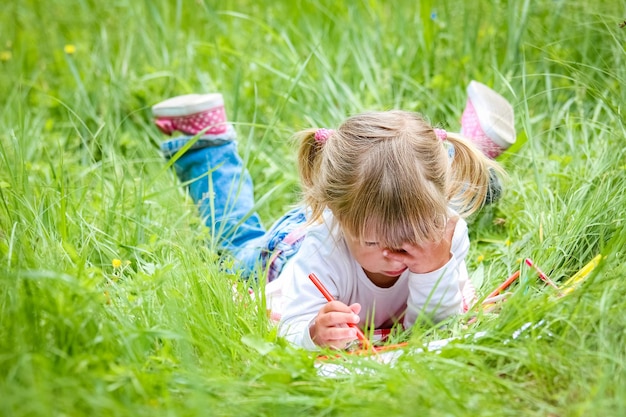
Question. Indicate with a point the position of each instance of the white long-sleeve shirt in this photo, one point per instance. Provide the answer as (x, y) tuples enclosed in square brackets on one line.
[(296, 300)]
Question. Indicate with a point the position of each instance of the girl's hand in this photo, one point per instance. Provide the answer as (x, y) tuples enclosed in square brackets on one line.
[(331, 325), (428, 257)]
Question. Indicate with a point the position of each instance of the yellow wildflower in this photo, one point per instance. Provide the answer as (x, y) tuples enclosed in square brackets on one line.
[(69, 49), (5, 56), (116, 263), (480, 258)]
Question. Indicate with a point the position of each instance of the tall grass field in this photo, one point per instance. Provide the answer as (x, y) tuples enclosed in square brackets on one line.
[(112, 298)]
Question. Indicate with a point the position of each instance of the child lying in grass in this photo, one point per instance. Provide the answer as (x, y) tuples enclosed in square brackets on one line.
[(381, 222)]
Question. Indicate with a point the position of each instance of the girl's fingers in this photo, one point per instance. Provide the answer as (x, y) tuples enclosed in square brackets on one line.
[(397, 256), (332, 325), (356, 308), (339, 334), (337, 306), (335, 318), (336, 336)]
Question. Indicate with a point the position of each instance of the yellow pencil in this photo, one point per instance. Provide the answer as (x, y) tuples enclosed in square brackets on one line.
[(579, 276)]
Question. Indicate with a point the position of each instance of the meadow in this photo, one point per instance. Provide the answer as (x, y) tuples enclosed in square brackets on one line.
[(112, 301)]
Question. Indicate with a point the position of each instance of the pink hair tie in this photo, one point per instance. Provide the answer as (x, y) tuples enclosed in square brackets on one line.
[(441, 134), (322, 135)]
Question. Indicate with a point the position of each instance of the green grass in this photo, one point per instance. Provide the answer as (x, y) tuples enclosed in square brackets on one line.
[(82, 183)]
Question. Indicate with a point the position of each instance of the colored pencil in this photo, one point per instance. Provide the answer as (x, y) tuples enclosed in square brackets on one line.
[(579, 276), (505, 284), (327, 295), (542, 275), (491, 300)]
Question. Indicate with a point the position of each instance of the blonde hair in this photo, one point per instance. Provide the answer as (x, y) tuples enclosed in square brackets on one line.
[(386, 174)]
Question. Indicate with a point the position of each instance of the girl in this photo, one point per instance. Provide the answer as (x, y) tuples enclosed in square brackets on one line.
[(382, 228)]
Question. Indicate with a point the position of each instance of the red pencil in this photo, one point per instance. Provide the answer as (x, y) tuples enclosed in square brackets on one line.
[(543, 276), (505, 284), (329, 298)]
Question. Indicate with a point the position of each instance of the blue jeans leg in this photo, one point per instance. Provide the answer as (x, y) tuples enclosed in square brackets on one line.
[(222, 188)]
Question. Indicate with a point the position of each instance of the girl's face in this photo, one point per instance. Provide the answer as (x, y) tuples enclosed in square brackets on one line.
[(381, 270)]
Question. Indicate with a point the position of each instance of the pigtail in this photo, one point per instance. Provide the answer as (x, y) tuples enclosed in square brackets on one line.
[(310, 147), (308, 152), (470, 173)]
